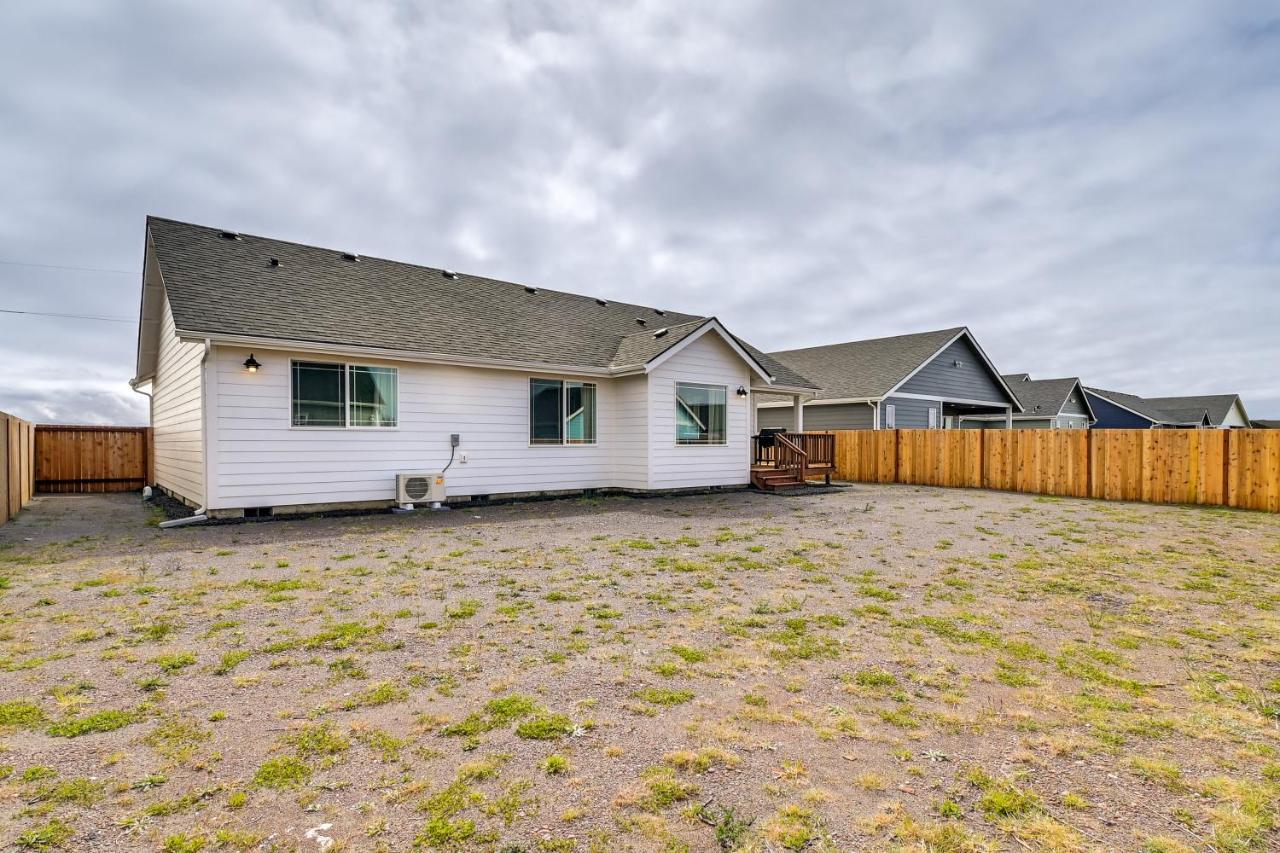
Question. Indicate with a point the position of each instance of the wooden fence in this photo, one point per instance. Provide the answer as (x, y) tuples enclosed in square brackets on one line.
[(1237, 468), (17, 446), (79, 459)]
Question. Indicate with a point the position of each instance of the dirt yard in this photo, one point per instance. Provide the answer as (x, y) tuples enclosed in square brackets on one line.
[(875, 668)]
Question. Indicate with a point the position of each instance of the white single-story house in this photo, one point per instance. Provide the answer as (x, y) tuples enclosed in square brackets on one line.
[(288, 378)]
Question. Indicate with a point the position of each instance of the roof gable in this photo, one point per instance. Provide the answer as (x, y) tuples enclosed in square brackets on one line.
[(1217, 406), (960, 370), (1046, 397), (866, 369), (872, 369)]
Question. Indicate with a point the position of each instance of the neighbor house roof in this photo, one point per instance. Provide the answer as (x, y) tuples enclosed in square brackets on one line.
[(1218, 406), (1043, 397), (1182, 416), (866, 369), (222, 284), (870, 369), (1264, 424)]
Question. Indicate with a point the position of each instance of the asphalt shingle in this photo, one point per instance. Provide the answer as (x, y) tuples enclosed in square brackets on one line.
[(863, 369), (1044, 397), (220, 286)]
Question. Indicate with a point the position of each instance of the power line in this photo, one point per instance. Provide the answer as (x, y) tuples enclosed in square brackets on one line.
[(60, 267), (68, 316)]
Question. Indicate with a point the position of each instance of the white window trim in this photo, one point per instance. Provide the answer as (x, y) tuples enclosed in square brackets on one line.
[(890, 416), (346, 412), (675, 393), (564, 415)]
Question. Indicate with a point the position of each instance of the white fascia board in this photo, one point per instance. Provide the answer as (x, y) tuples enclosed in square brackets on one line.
[(1079, 386)]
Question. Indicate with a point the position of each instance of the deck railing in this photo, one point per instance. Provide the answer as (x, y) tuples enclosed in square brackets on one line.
[(818, 448)]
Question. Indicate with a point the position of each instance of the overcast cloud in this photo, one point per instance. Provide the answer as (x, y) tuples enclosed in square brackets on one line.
[(1093, 188)]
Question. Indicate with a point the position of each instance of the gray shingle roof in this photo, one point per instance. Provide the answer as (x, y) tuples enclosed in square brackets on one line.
[(1041, 397), (1217, 405), (219, 286), (1146, 408), (862, 369)]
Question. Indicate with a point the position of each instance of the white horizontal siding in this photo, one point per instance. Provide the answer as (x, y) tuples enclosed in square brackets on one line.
[(261, 460), (708, 361), (176, 414), (630, 423)]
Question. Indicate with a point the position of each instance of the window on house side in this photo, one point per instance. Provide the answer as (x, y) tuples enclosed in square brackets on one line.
[(342, 395), (562, 412), (319, 394), (701, 413), (373, 396)]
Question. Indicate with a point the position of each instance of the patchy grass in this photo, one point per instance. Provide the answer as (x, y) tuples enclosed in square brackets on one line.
[(102, 721), (880, 668)]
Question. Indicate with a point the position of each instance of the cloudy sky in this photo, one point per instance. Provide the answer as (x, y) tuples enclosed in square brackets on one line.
[(1093, 188)]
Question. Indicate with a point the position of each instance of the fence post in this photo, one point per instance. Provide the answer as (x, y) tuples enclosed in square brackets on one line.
[(897, 455), (4, 467)]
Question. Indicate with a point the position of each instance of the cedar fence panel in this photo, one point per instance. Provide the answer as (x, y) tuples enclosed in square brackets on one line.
[(1238, 468), (91, 459), (17, 468)]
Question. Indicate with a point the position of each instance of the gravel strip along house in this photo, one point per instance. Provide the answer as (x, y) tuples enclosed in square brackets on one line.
[(289, 378)]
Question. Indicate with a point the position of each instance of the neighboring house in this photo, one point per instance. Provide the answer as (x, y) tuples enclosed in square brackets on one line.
[(1046, 404), (1225, 411), (923, 381), (1115, 410), (1264, 424), (285, 377)]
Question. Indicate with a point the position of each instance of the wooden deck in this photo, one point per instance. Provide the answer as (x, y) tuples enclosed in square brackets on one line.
[(789, 460)]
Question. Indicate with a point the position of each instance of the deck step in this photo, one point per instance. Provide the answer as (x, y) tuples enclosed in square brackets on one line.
[(769, 480)]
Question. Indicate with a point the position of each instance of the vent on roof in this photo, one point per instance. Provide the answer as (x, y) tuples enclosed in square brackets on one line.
[(448, 273), (659, 312), (229, 235), (350, 256), (531, 290), (275, 262), (641, 320), (661, 333), (602, 301)]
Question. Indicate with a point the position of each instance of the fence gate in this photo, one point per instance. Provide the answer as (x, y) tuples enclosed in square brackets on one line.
[(80, 459)]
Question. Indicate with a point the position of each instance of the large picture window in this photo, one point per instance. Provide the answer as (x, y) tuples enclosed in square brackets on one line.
[(701, 412), (562, 412), (344, 395)]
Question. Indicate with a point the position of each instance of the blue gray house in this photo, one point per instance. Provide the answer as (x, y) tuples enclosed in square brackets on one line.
[(1046, 404), (929, 380), (1117, 410)]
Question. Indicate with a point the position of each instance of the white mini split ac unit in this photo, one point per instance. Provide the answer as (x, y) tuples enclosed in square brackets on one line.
[(416, 488)]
